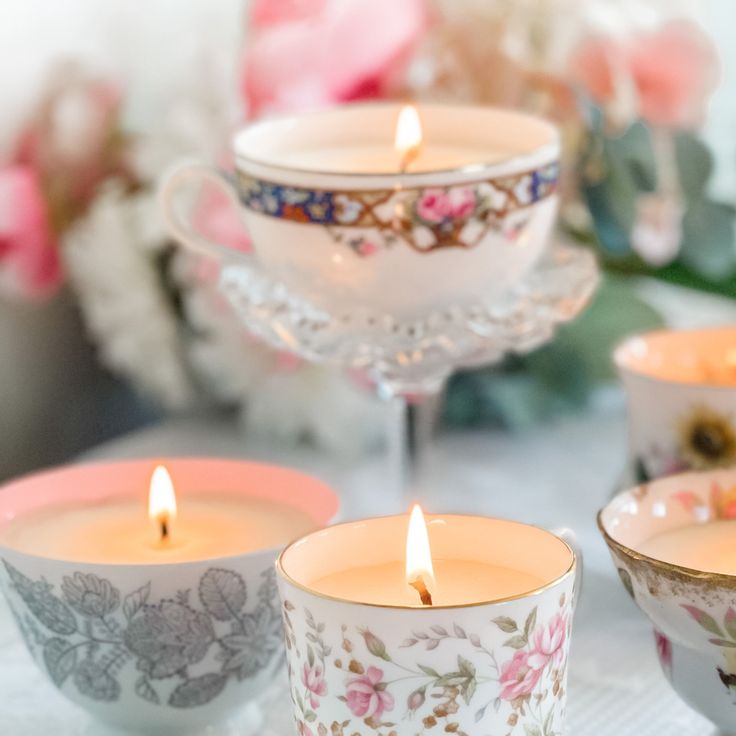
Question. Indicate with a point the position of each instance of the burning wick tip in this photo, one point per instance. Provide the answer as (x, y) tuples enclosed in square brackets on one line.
[(164, 529), (408, 158), (419, 585)]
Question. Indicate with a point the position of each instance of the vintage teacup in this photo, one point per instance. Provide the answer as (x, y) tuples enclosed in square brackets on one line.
[(169, 648), (332, 217), (693, 611), (681, 399), (497, 666)]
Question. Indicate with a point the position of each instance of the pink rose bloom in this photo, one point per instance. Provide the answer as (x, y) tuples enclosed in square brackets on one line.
[(318, 52), (313, 679), (664, 650), (462, 202), (74, 139), (434, 206), (29, 258), (367, 248), (518, 677), (668, 73), (549, 643), (367, 696)]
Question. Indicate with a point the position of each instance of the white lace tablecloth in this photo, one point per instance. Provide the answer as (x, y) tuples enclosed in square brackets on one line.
[(555, 476)]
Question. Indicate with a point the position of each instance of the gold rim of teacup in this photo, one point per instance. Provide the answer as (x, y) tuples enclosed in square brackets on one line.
[(549, 148), (419, 607), (670, 569)]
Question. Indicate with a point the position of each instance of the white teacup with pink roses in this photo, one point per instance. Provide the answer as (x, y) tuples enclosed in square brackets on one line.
[(332, 215), (369, 669)]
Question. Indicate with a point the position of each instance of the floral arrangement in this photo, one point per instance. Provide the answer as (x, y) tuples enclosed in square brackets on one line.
[(78, 191)]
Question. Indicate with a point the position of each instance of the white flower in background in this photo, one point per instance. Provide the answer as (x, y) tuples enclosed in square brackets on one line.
[(110, 257), (657, 230)]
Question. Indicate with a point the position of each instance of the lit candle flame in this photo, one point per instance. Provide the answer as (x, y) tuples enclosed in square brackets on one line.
[(419, 569), (408, 139), (162, 500)]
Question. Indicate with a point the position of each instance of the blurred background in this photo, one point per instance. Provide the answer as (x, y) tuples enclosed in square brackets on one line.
[(106, 328)]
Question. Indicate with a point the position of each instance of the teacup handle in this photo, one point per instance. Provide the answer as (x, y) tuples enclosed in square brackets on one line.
[(181, 226), (568, 535)]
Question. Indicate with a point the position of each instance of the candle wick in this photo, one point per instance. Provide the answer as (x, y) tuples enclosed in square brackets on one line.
[(164, 528), (420, 586), (408, 157)]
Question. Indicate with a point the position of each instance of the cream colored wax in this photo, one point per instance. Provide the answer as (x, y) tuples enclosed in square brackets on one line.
[(379, 159), (706, 547), (457, 582), (119, 531)]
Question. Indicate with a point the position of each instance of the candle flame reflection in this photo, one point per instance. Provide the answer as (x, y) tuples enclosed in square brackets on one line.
[(408, 138), (419, 569), (161, 500)]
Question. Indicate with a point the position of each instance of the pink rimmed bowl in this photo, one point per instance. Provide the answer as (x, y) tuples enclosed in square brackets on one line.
[(693, 612), (331, 216), (173, 648)]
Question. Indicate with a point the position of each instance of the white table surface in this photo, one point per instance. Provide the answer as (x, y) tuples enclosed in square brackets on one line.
[(558, 475)]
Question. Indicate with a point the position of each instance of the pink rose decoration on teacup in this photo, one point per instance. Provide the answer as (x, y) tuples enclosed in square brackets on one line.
[(519, 677), (29, 260), (663, 76), (433, 206), (313, 678), (462, 202), (437, 205), (367, 696), (549, 643), (317, 52)]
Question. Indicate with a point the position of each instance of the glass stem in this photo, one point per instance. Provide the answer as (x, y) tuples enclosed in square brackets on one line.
[(412, 422)]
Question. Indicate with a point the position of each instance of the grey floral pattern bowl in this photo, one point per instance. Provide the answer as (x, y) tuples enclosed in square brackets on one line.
[(154, 648)]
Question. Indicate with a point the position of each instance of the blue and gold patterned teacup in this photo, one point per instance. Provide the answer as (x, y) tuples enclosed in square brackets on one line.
[(332, 215)]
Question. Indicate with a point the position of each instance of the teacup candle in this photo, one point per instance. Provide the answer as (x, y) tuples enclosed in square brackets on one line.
[(673, 542), (148, 602), (361, 206), (459, 626), (681, 395)]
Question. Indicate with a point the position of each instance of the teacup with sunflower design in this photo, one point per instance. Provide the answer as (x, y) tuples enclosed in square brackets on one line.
[(673, 542), (681, 395)]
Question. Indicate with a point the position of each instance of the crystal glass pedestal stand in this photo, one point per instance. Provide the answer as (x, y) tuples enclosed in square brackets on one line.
[(410, 360)]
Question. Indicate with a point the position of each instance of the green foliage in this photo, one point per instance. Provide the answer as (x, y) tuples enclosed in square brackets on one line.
[(557, 378)]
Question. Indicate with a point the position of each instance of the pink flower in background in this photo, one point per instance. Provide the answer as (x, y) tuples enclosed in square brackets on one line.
[(74, 138), (367, 696), (29, 258), (313, 679), (311, 53), (549, 643), (518, 677), (665, 75)]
